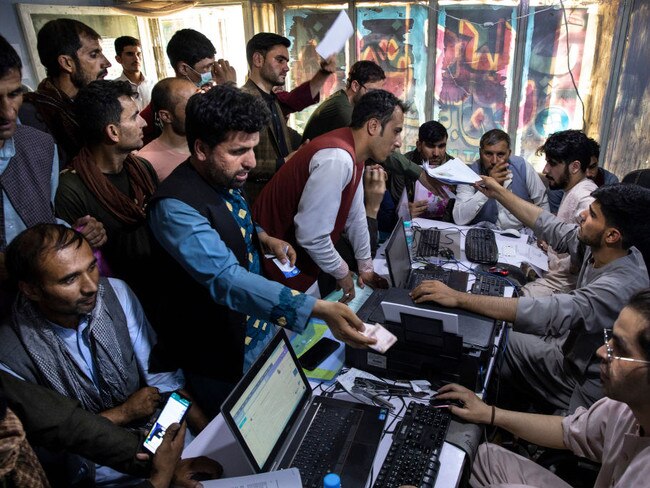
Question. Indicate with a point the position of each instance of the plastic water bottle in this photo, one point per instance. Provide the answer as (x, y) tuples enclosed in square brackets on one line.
[(408, 230), (331, 480)]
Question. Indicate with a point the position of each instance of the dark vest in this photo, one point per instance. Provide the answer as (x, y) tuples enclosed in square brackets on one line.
[(277, 205), (490, 212), (13, 354), (27, 178), (186, 317)]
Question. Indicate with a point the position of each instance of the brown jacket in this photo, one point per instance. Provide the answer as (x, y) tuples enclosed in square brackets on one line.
[(267, 151)]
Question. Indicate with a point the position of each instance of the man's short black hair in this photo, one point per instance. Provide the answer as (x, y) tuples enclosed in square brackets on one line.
[(97, 105), (189, 46), (262, 43), (376, 104), (365, 72), (624, 207), (61, 37), (211, 116), (432, 132), (25, 252), (494, 136), (595, 147), (567, 146), (9, 58), (640, 303), (125, 41)]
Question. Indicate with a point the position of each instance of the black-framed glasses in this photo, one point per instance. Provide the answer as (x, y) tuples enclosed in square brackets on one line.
[(607, 334)]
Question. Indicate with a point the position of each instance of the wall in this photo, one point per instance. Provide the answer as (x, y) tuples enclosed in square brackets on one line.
[(11, 28), (629, 145)]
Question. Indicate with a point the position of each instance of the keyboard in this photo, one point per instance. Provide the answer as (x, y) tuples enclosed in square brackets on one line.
[(428, 273), (413, 458), (326, 444), (481, 246), (428, 243), (488, 285)]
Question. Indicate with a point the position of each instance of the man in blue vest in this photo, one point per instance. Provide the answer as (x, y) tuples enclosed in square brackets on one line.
[(512, 172)]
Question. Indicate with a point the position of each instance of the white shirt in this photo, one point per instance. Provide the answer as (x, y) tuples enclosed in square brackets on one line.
[(469, 201), (143, 90), (330, 170)]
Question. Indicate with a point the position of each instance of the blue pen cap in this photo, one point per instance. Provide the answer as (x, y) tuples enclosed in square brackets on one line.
[(331, 480)]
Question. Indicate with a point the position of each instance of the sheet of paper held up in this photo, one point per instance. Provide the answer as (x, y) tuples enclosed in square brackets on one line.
[(454, 172), (287, 478), (336, 37)]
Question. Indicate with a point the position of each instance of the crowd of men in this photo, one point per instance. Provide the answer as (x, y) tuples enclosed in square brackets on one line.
[(137, 219)]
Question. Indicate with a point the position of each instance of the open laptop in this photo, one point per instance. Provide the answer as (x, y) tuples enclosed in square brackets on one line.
[(402, 275), (279, 424)]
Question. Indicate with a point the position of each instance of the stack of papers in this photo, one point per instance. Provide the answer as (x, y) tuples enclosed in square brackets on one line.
[(454, 172)]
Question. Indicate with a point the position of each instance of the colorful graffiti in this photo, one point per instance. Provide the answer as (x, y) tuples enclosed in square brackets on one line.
[(473, 72), (549, 100), (305, 28), (395, 39)]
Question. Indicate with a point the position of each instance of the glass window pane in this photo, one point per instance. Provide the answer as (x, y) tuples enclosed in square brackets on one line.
[(305, 27), (474, 69), (549, 102), (395, 37)]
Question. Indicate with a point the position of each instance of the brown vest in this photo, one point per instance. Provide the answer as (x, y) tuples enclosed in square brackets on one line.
[(277, 205)]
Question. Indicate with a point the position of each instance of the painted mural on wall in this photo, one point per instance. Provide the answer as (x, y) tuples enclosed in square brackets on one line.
[(395, 39), (475, 48), (549, 100), (305, 28)]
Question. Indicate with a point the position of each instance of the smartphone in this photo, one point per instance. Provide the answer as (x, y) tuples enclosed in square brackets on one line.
[(318, 353), (173, 412)]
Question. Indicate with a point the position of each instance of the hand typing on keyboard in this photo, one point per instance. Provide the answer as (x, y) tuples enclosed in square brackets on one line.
[(436, 291)]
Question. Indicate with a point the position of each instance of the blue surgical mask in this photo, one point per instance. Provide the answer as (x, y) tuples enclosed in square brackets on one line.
[(205, 77)]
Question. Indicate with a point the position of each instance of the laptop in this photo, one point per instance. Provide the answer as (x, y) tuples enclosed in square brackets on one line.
[(402, 275), (279, 424)]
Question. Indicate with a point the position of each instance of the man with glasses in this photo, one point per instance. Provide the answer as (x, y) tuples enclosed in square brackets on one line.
[(613, 431), (551, 358)]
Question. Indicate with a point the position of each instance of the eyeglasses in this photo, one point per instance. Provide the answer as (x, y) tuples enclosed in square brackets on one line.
[(607, 333)]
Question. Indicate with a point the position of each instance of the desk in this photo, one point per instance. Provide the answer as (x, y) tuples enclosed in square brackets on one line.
[(217, 442)]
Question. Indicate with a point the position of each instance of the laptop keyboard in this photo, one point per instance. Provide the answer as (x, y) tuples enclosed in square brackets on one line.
[(428, 243), (418, 276), (413, 458), (488, 285), (481, 246), (326, 444)]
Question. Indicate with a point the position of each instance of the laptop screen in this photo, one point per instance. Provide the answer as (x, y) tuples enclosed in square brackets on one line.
[(264, 404), (398, 258)]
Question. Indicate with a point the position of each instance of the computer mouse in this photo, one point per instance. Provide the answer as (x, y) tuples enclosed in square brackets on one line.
[(435, 402), (510, 233)]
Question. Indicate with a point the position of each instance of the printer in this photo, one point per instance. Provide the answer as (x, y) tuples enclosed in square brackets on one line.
[(440, 344)]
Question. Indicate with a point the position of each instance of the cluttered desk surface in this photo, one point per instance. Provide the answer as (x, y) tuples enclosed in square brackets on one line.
[(217, 441)]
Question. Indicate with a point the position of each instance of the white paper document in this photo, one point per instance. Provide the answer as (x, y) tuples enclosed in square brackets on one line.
[(336, 37), (454, 172), (287, 478)]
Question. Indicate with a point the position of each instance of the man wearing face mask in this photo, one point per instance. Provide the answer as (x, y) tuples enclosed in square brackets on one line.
[(72, 56), (192, 55)]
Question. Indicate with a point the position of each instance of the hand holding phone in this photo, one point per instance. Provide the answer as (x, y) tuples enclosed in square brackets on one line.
[(174, 411)]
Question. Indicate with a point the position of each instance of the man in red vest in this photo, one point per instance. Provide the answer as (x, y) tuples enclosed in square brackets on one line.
[(316, 195)]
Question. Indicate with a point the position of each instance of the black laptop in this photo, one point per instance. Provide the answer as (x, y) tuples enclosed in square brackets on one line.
[(279, 424), (401, 273)]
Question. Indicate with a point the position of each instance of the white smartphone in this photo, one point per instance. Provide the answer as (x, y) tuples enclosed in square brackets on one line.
[(173, 412)]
